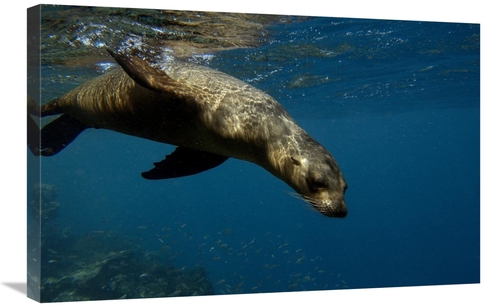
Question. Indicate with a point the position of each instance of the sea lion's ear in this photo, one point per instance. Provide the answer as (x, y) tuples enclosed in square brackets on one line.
[(295, 161)]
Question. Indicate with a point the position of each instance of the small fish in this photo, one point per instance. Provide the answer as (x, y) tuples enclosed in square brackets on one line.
[(226, 231), (292, 286), (300, 259), (176, 292), (200, 280)]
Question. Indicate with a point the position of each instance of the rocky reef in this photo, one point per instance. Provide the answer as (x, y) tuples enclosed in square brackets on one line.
[(103, 265), (44, 205), (98, 265)]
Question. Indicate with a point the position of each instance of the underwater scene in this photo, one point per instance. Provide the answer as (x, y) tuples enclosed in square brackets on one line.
[(396, 103)]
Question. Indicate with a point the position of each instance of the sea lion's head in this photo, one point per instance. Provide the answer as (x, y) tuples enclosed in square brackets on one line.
[(317, 178)]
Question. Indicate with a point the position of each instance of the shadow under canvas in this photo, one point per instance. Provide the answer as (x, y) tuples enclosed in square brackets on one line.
[(18, 286)]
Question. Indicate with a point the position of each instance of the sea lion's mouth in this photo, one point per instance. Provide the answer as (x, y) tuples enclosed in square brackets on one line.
[(335, 209), (336, 212)]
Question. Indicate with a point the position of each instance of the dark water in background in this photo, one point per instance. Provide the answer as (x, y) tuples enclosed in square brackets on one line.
[(397, 105)]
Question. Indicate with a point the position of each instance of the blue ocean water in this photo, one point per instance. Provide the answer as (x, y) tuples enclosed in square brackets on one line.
[(397, 105)]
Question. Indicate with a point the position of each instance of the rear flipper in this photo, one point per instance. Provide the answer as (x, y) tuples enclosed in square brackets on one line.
[(54, 136), (184, 162)]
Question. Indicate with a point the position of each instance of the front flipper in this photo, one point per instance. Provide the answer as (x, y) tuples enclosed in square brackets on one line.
[(143, 72), (55, 136), (184, 162)]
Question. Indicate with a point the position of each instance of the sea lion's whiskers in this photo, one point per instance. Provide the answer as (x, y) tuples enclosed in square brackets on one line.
[(308, 201), (300, 196), (311, 200), (295, 195)]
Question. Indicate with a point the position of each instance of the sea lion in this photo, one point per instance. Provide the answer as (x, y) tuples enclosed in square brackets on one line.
[(209, 115)]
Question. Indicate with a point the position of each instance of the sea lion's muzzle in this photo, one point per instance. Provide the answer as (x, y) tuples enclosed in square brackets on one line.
[(336, 209), (339, 210)]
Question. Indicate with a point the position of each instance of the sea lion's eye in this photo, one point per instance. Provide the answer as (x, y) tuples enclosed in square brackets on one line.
[(295, 160), (318, 183)]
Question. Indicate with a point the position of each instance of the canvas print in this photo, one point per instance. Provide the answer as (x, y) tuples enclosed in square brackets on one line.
[(183, 153)]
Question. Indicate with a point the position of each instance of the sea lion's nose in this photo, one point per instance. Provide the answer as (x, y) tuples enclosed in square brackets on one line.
[(341, 213), (338, 210)]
